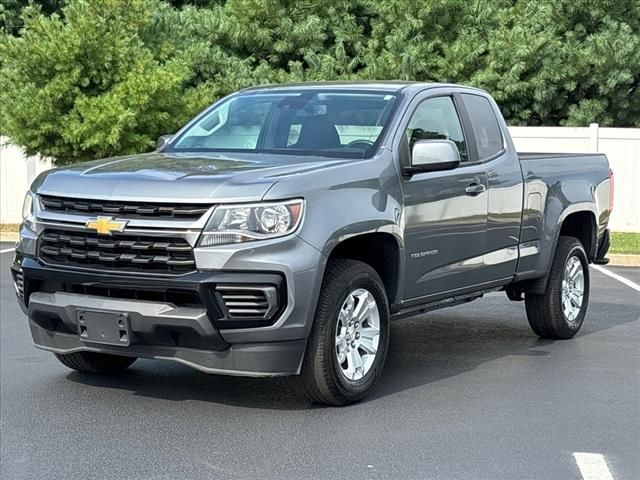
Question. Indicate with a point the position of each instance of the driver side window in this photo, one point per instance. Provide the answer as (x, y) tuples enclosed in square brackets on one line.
[(437, 118)]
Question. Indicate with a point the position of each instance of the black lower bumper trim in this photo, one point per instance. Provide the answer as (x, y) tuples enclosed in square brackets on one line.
[(150, 323), (252, 360)]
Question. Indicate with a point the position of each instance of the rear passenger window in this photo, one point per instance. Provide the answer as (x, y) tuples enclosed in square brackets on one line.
[(485, 126)]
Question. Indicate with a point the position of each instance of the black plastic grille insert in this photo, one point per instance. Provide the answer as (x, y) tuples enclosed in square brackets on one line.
[(118, 252), (124, 209)]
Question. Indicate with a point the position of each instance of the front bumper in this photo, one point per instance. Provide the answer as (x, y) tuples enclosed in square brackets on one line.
[(253, 360), (193, 335)]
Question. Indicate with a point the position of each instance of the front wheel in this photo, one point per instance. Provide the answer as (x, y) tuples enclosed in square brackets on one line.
[(350, 335), (559, 312)]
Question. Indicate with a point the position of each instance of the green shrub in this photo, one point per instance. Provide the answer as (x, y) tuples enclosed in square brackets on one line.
[(105, 77)]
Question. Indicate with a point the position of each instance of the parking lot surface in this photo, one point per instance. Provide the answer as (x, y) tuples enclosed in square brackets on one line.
[(467, 392)]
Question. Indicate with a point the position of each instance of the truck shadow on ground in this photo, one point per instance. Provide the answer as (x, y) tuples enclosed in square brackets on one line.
[(423, 350)]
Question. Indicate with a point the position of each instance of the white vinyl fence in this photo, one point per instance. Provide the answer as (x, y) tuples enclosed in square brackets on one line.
[(621, 145), (17, 171)]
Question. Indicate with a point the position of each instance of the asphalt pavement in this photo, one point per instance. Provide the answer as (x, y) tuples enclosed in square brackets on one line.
[(467, 393)]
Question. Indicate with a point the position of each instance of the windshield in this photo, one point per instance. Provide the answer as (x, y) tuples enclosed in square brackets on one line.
[(312, 122)]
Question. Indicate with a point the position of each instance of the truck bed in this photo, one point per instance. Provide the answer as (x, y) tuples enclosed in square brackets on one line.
[(554, 183), (524, 156)]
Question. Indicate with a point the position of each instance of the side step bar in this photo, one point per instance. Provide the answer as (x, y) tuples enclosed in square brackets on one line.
[(447, 302)]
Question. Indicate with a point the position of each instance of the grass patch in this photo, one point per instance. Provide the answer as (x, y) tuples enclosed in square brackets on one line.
[(9, 227), (623, 242)]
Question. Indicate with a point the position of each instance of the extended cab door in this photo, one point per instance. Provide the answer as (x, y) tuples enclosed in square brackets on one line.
[(488, 145), (445, 215)]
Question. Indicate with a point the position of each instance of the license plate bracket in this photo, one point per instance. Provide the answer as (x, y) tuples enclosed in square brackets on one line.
[(109, 328)]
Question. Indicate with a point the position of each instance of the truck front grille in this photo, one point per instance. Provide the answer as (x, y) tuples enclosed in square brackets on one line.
[(118, 252), (175, 296), (124, 209)]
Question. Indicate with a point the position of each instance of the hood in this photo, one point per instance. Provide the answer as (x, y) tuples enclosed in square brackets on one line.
[(177, 177)]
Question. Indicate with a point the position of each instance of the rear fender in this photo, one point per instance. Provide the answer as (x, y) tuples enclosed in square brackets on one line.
[(549, 242)]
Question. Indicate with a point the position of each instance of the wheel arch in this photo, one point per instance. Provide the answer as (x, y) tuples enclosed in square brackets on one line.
[(381, 251), (581, 225), (577, 220)]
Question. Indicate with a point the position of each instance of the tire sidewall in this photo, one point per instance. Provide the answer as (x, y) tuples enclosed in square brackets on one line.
[(567, 328), (354, 390)]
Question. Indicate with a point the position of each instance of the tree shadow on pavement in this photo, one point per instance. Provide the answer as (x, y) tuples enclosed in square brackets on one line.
[(423, 349)]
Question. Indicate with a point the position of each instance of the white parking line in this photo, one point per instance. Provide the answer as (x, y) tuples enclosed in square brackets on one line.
[(7, 250), (615, 276), (592, 466)]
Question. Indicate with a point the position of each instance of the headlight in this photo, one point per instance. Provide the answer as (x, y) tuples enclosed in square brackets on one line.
[(28, 211), (244, 223), (27, 207)]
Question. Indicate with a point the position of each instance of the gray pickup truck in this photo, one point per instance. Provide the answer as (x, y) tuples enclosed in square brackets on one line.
[(282, 229)]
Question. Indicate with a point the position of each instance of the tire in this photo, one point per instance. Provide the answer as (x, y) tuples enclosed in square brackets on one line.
[(323, 378), (546, 313), (92, 362)]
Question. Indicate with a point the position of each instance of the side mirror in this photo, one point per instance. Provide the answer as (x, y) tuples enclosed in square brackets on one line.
[(433, 155), (162, 141)]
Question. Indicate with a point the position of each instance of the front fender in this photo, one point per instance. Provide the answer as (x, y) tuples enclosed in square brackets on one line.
[(350, 199)]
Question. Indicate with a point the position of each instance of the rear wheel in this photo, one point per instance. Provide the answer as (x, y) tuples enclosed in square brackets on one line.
[(559, 312), (92, 362), (349, 340)]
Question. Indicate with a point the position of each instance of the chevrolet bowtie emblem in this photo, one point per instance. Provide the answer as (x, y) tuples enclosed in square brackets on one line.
[(105, 225)]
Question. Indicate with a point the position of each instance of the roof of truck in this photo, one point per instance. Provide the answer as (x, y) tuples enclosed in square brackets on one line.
[(390, 85), (381, 85)]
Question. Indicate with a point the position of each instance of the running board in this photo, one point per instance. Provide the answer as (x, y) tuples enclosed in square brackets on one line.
[(444, 303)]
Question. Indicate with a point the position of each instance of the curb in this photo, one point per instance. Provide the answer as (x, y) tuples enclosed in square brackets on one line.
[(8, 236), (624, 260)]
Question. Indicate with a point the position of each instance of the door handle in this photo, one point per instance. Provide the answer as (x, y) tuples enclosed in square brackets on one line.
[(475, 189)]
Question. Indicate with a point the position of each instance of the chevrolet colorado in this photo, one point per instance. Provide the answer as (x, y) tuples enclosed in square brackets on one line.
[(281, 230)]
